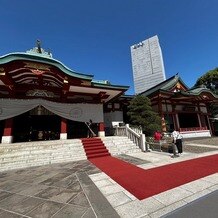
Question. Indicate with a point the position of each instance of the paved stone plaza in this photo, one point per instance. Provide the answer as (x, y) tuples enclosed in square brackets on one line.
[(79, 189)]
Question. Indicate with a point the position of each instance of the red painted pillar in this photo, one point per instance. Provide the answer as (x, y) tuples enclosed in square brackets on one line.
[(63, 134), (8, 130), (176, 125), (101, 132)]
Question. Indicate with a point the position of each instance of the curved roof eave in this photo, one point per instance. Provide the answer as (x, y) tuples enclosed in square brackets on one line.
[(109, 86), (25, 56), (172, 82), (198, 91), (165, 85)]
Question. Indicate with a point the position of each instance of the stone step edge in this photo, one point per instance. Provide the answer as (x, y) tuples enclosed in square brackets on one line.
[(33, 160), (35, 164), (39, 152)]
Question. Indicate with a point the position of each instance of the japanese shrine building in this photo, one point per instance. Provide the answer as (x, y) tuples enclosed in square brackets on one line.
[(182, 108), (42, 99)]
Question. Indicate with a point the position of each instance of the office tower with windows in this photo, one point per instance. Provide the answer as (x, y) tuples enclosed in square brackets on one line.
[(147, 64)]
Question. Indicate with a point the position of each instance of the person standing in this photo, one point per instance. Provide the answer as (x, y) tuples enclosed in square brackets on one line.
[(157, 136), (90, 133), (177, 139)]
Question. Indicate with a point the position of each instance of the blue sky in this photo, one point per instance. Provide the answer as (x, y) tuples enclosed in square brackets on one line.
[(94, 37)]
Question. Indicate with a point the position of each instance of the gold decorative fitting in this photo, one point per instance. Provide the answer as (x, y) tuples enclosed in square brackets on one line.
[(85, 83), (178, 85), (2, 71), (38, 72), (37, 66), (205, 97)]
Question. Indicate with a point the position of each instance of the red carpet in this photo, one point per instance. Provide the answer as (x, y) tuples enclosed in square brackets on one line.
[(94, 147), (146, 183)]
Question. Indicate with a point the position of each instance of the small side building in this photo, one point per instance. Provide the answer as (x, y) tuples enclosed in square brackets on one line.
[(181, 108)]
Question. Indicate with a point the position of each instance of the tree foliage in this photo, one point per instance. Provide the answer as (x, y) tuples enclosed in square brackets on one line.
[(209, 80), (141, 114)]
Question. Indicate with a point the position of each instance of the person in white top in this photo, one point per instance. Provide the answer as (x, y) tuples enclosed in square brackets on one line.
[(177, 139)]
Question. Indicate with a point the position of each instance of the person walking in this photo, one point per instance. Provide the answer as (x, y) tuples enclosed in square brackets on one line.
[(177, 139)]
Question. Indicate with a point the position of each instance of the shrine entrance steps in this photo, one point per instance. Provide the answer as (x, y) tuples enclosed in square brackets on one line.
[(94, 147), (37, 153)]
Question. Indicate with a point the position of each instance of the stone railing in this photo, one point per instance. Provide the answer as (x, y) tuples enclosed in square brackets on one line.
[(134, 135), (136, 129), (192, 129)]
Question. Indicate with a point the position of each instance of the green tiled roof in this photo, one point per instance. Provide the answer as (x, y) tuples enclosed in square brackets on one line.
[(43, 59), (198, 91), (171, 82), (106, 84), (165, 85)]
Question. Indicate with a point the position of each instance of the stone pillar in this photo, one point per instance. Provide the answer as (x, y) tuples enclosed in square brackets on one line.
[(101, 132), (7, 134), (63, 134), (143, 142)]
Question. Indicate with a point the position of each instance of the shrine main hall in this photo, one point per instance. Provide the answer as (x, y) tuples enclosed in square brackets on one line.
[(42, 99)]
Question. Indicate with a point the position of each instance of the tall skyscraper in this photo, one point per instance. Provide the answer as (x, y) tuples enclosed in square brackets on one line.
[(147, 64)]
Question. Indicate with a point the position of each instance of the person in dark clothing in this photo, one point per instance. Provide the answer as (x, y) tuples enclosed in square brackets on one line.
[(90, 132)]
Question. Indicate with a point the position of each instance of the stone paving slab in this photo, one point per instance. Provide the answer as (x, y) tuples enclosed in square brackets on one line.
[(173, 195), (46, 209), (98, 202), (164, 202), (197, 186), (20, 204), (201, 208), (117, 199), (197, 195), (51, 191), (203, 141), (167, 209), (151, 204), (196, 148), (111, 189), (79, 189)]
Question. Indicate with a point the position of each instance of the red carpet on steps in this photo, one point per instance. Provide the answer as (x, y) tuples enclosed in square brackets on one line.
[(94, 147), (146, 183)]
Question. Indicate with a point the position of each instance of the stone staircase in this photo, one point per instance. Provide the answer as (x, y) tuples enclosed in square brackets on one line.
[(120, 145), (28, 154)]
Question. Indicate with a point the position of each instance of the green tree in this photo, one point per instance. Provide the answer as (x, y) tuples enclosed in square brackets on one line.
[(141, 114), (209, 80)]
